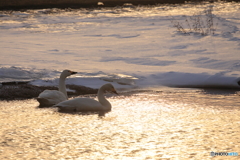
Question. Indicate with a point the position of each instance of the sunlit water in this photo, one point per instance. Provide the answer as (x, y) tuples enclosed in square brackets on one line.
[(168, 124)]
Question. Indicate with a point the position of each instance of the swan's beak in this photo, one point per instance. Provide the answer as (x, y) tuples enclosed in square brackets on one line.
[(114, 91), (73, 72)]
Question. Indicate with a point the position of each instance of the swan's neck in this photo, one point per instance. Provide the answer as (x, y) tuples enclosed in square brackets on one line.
[(104, 102), (62, 86)]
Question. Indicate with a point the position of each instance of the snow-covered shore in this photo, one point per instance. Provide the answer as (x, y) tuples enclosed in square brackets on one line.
[(132, 47)]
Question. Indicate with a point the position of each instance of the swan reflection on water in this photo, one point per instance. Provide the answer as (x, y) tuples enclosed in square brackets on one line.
[(86, 113)]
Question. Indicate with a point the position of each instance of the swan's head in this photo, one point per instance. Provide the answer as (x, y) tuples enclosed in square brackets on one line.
[(67, 73), (109, 88)]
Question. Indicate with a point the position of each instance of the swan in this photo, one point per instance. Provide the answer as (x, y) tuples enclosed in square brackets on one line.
[(87, 104), (50, 97)]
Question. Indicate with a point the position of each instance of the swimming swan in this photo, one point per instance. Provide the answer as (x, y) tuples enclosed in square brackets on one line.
[(87, 104), (50, 97)]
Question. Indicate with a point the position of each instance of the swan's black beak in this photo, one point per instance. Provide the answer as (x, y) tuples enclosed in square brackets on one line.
[(114, 91), (73, 72)]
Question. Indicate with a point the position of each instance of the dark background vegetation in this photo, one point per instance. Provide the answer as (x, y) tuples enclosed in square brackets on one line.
[(31, 4)]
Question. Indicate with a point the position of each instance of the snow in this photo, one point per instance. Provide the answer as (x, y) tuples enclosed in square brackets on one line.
[(128, 46)]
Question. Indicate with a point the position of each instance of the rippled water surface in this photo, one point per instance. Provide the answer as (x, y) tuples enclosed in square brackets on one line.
[(172, 124)]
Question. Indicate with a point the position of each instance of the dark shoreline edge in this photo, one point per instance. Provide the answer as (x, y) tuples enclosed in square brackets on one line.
[(40, 4), (21, 91)]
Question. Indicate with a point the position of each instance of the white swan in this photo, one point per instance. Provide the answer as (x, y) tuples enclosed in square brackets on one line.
[(50, 97), (87, 104)]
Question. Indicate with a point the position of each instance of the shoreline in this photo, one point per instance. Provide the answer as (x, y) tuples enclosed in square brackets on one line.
[(27, 91), (23, 90), (29, 4)]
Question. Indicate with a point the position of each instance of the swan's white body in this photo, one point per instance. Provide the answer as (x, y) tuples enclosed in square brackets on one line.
[(87, 104), (50, 97)]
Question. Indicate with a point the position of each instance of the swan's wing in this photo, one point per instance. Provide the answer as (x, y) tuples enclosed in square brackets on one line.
[(51, 97), (80, 104)]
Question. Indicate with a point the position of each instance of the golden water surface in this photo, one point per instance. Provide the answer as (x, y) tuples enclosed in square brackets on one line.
[(184, 124)]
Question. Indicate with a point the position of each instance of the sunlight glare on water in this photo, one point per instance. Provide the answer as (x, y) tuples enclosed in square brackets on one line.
[(141, 125)]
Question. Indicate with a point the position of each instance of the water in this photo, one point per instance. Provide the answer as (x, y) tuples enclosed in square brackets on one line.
[(168, 124)]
